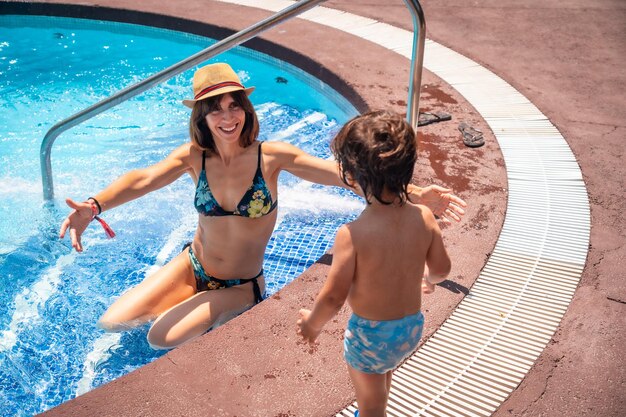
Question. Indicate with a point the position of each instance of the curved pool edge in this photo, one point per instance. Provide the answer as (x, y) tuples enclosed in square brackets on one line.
[(215, 30), (260, 356)]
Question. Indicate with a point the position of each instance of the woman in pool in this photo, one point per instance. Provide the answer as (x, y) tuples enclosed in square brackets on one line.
[(236, 180)]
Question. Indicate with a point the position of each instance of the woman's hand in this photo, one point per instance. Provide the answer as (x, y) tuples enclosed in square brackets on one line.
[(77, 221), (440, 201), (303, 328)]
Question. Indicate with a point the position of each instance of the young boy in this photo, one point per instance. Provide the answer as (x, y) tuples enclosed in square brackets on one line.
[(379, 259)]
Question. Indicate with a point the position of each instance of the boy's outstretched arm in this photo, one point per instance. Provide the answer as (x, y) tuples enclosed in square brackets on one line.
[(427, 286), (437, 259), (335, 290)]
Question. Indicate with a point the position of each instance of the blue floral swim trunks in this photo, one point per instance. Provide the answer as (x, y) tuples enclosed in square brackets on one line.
[(376, 347)]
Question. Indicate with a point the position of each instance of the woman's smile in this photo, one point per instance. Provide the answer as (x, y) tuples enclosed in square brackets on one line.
[(227, 121), (229, 130)]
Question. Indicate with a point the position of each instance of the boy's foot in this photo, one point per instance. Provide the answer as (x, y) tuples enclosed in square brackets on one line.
[(356, 413)]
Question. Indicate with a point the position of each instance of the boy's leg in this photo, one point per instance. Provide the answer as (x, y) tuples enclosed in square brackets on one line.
[(371, 392), (389, 376)]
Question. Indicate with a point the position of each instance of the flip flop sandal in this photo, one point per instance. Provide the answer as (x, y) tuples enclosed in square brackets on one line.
[(471, 137), (428, 118)]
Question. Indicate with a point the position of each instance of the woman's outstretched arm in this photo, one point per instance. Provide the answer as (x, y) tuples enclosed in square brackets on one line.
[(129, 186), (439, 200), (445, 205)]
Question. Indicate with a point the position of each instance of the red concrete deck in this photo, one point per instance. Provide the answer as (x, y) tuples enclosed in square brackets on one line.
[(567, 59)]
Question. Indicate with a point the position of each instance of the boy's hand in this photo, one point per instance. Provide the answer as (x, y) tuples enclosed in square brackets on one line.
[(303, 328), (427, 287)]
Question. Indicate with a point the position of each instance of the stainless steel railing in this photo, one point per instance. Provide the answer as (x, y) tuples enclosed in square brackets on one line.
[(222, 46), (417, 61)]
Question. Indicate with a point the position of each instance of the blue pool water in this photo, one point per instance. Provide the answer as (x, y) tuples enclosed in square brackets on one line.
[(51, 297)]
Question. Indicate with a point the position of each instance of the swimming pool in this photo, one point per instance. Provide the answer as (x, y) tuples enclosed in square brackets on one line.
[(50, 348)]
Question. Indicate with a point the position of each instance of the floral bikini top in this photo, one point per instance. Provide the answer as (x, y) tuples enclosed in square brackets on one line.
[(256, 202)]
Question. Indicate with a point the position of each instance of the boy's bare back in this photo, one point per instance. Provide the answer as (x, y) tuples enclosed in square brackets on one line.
[(378, 260), (391, 245)]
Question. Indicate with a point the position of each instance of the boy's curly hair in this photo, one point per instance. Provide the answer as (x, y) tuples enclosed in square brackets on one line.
[(378, 151)]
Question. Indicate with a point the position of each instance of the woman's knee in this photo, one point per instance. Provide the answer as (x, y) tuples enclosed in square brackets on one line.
[(161, 337), (109, 326), (170, 330), (109, 323), (157, 339), (118, 320)]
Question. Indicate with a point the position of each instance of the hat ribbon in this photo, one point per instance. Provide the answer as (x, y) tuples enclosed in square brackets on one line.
[(216, 86)]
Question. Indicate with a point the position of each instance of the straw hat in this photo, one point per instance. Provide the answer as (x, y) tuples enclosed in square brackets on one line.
[(213, 80)]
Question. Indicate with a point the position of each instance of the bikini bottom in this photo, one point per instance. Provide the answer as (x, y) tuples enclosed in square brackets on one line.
[(206, 282)]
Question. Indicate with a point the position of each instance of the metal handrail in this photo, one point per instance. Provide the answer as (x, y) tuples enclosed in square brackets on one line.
[(215, 49), (417, 61)]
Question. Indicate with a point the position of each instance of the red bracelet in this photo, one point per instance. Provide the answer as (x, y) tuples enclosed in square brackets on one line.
[(96, 203), (94, 215)]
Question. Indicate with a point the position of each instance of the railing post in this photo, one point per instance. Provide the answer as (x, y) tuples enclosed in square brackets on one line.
[(46, 166), (417, 61)]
